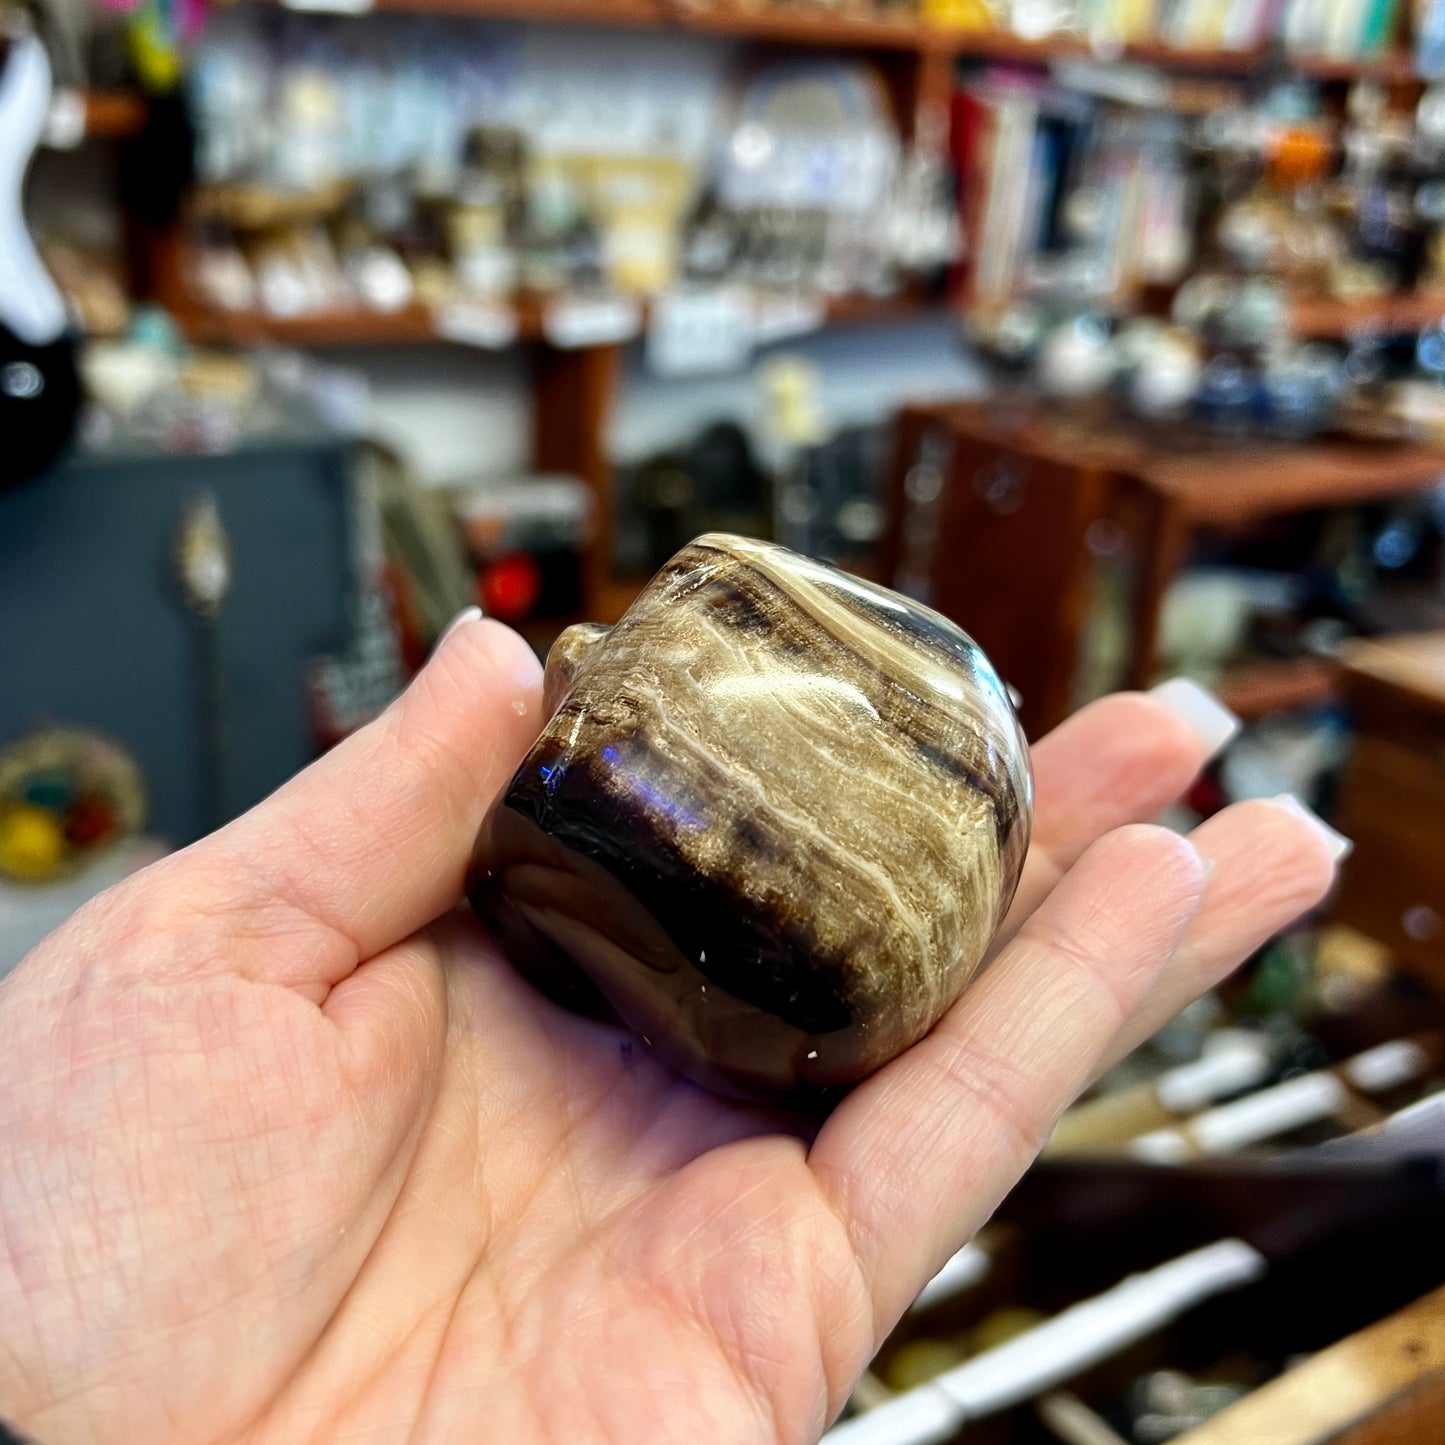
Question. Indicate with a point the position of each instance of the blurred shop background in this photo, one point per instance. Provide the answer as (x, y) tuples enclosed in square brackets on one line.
[(1114, 329)]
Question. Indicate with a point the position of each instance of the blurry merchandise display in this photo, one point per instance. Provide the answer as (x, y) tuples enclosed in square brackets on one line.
[(716, 483), (1339, 29), (150, 389), (1344, 29), (395, 161), (1176, 262)]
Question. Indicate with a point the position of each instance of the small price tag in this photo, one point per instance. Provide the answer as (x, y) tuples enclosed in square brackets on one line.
[(570, 322), (330, 7), (485, 324), (695, 332), (781, 315)]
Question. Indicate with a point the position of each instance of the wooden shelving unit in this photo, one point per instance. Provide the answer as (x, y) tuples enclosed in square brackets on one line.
[(1327, 319), (1155, 492), (811, 26), (575, 389)]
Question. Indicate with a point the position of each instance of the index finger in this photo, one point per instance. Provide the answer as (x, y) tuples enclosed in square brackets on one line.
[(1120, 760), (918, 1156)]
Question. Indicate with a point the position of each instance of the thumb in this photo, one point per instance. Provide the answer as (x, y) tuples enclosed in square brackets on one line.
[(352, 855), (371, 842)]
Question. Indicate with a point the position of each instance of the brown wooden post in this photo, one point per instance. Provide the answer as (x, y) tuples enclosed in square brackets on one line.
[(575, 392)]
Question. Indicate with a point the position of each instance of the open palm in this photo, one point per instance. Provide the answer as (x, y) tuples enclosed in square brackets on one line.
[(289, 1153)]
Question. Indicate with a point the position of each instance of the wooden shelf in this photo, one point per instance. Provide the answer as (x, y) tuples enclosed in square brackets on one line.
[(1328, 319), (320, 328), (811, 25), (1256, 689), (1395, 65), (843, 310), (1002, 47), (1230, 486), (414, 324)]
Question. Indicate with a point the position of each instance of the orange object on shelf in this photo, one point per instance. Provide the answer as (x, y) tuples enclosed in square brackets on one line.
[(1300, 154)]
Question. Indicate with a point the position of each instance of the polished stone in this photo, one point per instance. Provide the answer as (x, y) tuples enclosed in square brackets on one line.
[(772, 825)]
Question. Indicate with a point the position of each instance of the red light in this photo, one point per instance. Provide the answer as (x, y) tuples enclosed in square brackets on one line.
[(511, 587)]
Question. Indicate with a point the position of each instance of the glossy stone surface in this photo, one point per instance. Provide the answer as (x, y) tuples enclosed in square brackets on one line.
[(773, 824)]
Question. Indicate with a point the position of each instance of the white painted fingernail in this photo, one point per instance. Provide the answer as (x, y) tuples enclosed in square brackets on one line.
[(1208, 718), (1339, 846), (466, 615)]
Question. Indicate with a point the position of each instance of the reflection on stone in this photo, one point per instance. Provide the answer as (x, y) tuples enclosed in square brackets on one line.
[(773, 825)]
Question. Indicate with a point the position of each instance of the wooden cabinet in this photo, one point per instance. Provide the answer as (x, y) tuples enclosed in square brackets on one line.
[(1393, 806), (1000, 520)]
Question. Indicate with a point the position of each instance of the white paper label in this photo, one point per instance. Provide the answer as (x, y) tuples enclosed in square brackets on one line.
[(1233, 1063), (698, 332), (1387, 1067), (330, 7), (486, 324), (571, 322), (779, 316), (1163, 1146), (1287, 1106)]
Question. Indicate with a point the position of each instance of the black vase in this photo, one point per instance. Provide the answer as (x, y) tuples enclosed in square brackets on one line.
[(39, 401)]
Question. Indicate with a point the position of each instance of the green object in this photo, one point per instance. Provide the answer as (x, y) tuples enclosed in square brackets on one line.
[(52, 790), (1380, 23), (1278, 983)]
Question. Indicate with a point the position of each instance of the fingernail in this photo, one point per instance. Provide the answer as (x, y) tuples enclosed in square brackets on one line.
[(1208, 718), (466, 615), (1339, 846)]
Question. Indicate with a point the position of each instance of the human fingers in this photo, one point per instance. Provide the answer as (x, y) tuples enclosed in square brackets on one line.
[(1268, 861), (916, 1158), (371, 842), (1122, 759)]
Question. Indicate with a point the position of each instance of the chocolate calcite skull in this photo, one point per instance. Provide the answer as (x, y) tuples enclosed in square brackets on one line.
[(772, 826)]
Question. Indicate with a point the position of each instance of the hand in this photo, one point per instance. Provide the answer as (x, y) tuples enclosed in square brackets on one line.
[(289, 1153)]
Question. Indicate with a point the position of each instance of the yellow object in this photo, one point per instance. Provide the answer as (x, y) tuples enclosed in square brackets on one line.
[(153, 52), (920, 1361), (967, 15), (32, 842), (639, 204), (1002, 1326), (793, 390)]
